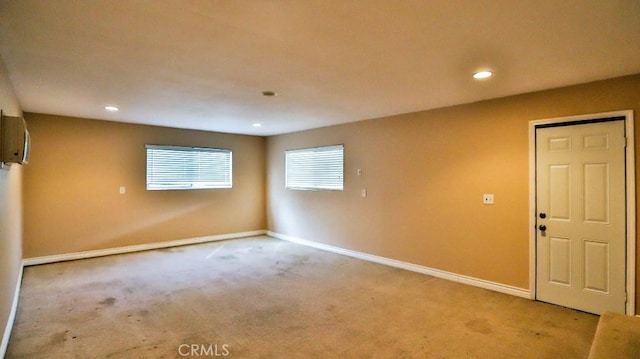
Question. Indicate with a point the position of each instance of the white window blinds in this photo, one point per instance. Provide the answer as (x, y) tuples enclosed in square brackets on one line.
[(180, 168), (319, 168)]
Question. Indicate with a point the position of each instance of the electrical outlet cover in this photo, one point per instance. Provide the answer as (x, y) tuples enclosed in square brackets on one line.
[(487, 198)]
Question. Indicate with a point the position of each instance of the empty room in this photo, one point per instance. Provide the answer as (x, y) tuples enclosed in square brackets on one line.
[(319, 179)]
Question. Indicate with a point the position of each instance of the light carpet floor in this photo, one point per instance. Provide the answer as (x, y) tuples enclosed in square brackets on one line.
[(266, 298)]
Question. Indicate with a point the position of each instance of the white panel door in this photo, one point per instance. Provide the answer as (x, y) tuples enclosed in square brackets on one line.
[(580, 203)]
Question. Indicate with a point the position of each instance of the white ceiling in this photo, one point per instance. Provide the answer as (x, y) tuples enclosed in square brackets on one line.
[(201, 64)]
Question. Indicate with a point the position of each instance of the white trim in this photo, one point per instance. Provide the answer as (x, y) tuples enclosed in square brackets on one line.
[(12, 315), (532, 211), (631, 213), (630, 200), (476, 282), (138, 248)]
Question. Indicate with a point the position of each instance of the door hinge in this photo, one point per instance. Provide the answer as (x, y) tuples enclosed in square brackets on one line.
[(625, 142)]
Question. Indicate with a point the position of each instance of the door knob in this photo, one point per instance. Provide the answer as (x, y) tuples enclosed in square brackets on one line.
[(543, 227), (543, 215)]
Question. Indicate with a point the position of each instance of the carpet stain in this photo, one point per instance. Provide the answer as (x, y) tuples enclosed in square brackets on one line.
[(481, 326), (302, 260), (267, 317), (108, 301), (550, 324), (541, 334), (58, 338), (283, 271)]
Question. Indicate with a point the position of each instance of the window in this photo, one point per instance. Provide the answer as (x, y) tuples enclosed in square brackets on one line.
[(319, 168), (179, 168)]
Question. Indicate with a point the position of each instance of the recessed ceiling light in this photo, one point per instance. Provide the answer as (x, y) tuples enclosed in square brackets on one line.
[(111, 108), (482, 75), (268, 93), (257, 125)]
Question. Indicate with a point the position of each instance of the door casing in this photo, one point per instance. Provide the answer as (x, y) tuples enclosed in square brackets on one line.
[(630, 199)]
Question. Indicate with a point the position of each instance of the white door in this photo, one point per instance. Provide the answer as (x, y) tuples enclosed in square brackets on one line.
[(580, 195)]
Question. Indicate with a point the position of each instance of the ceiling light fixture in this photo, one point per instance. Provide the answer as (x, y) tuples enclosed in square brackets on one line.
[(257, 125), (111, 108), (268, 93), (482, 75)]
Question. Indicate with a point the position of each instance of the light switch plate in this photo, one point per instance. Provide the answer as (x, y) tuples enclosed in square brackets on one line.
[(487, 198)]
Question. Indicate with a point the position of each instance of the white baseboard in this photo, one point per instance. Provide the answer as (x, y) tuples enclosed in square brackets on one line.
[(138, 248), (12, 315), (476, 282)]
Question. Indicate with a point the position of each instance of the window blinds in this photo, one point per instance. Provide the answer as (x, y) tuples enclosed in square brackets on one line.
[(320, 168), (180, 168)]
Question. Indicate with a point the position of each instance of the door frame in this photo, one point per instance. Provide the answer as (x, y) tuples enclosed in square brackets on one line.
[(630, 188)]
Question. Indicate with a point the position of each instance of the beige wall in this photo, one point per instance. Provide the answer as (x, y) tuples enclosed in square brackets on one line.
[(72, 200), (10, 213), (425, 174)]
